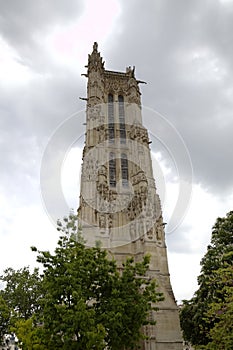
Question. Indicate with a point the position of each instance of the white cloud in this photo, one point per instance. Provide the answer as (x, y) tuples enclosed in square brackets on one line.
[(23, 227), (12, 71), (71, 173), (188, 244)]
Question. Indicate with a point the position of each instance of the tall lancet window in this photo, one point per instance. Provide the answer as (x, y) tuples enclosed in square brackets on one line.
[(124, 170), (112, 170), (122, 118), (111, 128)]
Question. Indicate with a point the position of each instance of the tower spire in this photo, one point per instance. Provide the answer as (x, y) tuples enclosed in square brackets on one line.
[(95, 61)]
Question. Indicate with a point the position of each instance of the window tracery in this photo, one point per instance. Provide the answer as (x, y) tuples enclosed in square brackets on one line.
[(124, 170), (111, 126), (112, 170), (121, 109)]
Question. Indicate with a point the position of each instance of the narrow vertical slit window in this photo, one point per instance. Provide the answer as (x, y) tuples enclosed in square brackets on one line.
[(112, 170), (111, 126), (124, 170), (122, 118)]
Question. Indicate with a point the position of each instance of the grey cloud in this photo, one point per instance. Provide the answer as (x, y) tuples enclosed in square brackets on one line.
[(21, 20), (29, 116), (180, 241), (31, 112), (24, 24), (39, 106)]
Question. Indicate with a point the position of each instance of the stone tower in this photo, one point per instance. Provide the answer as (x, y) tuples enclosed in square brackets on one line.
[(119, 205)]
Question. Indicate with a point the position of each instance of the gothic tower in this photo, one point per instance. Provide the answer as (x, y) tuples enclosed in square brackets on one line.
[(119, 205)]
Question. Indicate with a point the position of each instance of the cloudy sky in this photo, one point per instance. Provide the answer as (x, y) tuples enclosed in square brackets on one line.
[(182, 49)]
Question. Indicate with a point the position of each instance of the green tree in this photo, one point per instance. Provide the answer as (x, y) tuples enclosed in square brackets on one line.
[(5, 314), (30, 334), (80, 301), (22, 291), (87, 303), (203, 318), (220, 312)]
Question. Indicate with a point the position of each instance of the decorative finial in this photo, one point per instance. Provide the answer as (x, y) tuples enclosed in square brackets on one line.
[(95, 46)]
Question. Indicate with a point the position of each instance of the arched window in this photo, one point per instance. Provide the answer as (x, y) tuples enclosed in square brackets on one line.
[(121, 118), (124, 170), (112, 170), (111, 129)]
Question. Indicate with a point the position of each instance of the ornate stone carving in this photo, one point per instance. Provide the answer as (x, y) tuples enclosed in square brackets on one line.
[(130, 71), (94, 100), (141, 228), (110, 221), (150, 230), (105, 221), (133, 232), (133, 93), (103, 133), (143, 191), (102, 221), (139, 134), (102, 182), (159, 228), (138, 176), (116, 84), (89, 168), (135, 207), (150, 233)]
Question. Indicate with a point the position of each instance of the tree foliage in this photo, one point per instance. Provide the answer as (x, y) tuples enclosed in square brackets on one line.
[(4, 316), (84, 301), (22, 291), (206, 319), (220, 312), (30, 334), (88, 304)]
